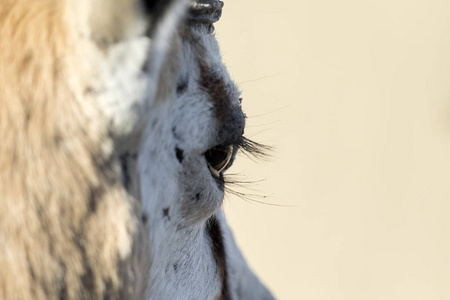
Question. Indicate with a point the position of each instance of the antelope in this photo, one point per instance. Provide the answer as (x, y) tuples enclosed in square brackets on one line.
[(117, 121)]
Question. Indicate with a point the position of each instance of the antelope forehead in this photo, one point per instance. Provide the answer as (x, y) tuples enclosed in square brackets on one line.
[(207, 99), (193, 121)]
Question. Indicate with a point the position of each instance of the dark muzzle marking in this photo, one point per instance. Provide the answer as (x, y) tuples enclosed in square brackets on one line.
[(218, 250), (216, 88)]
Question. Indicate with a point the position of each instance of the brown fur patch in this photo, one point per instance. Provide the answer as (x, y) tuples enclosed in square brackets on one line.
[(217, 90), (218, 250), (66, 224)]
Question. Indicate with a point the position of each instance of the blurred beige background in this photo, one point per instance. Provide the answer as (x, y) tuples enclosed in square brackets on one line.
[(355, 96)]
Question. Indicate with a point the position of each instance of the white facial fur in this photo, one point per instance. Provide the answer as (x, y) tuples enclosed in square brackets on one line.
[(78, 79), (179, 193), (128, 70)]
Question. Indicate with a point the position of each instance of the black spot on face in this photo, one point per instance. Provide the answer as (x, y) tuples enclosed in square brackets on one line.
[(175, 267), (182, 86), (166, 213), (144, 218), (180, 154), (197, 197)]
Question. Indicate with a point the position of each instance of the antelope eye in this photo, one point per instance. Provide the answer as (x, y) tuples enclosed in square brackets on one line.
[(218, 158)]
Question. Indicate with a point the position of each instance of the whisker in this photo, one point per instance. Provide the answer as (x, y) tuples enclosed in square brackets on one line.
[(270, 112), (263, 125), (258, 132), (261, 78), (253, 198)]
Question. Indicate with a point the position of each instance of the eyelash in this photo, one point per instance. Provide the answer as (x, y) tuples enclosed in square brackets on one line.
[(253, 149)]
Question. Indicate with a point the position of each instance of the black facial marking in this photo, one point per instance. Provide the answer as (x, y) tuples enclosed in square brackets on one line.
[(180, 154), (175, 267), (182, 86), (125, 170), (156, 8), (216, 87), (197, 196), (144, 218), (166, 213), (218, 250)]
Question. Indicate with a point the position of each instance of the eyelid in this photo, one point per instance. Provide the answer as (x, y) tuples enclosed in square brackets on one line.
[(232, 129)]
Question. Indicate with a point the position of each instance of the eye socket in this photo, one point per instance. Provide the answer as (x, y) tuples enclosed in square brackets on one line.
[(218, 158)]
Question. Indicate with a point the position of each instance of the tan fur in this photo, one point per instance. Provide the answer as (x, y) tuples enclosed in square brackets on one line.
[(114, 24), (67, 227)]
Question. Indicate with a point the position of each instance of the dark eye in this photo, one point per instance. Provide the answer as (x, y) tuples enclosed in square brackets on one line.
[(218, 158)]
